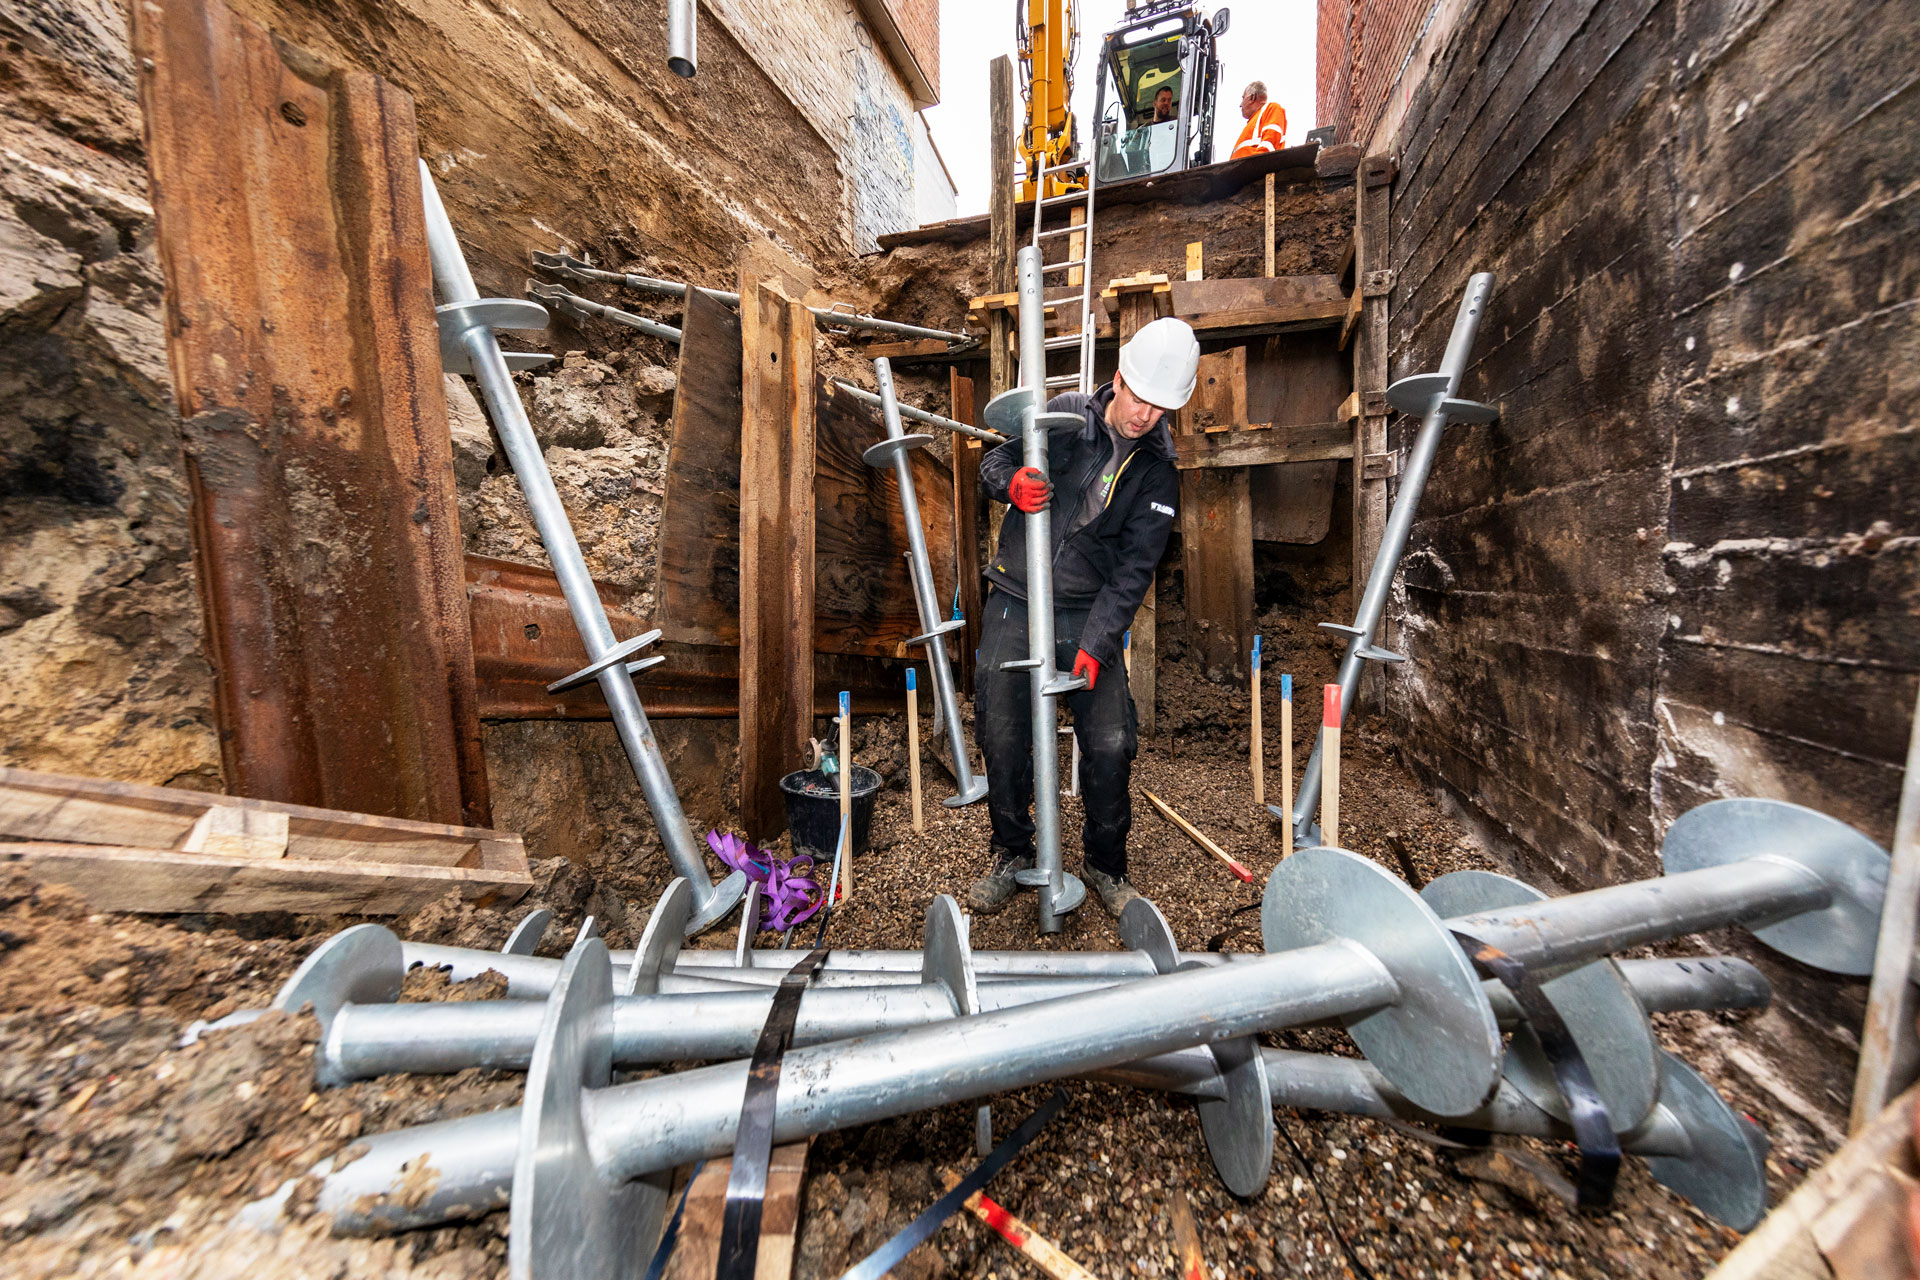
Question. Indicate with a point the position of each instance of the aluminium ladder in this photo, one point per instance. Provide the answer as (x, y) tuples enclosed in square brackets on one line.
[(1078, 339)]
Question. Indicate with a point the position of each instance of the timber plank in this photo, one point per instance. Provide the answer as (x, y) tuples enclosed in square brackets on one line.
[(697, 1252), (1220, 391), (697, 582), (776, 547), (1297, 378), (1264, 446), (305, 363), (864, 604), (70, 810), (1216, 540), (112, 878)]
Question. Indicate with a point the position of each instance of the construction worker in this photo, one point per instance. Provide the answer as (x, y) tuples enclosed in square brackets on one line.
[(1266, 123), (1117, 494), (1163, 108)]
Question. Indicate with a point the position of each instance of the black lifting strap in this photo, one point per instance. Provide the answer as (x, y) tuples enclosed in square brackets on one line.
[(753, 1141), (1592, 1127)]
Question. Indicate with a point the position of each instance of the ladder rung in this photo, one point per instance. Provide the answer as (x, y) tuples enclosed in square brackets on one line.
[(1064, 380), (1062, 266), (1079, 229), (1072, 197), (1062, 343)]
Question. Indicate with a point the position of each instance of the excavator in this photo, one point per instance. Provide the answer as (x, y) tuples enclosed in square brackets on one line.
[(1159, 77)]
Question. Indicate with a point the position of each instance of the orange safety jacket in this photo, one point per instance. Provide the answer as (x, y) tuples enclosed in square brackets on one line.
[(1267, 131)]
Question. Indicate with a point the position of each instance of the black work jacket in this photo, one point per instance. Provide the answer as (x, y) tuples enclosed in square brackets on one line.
[(1107, 564)]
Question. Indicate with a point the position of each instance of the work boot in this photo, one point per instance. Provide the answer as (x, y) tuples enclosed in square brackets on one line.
[(1114, 892), (992, 891)]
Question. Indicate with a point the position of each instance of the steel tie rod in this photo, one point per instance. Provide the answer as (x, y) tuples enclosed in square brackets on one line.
[(1431, 397), (921, 415), (467, 322), (894, 451), (838, 314), (1022, 411), (579, 307)]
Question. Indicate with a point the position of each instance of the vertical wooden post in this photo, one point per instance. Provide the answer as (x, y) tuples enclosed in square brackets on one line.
[(1270, 228), (305, 364), (776, 548), (1196, 260), (1371, 278), (966, 521), (1076, 246), (1002, 238), (1138, 308)]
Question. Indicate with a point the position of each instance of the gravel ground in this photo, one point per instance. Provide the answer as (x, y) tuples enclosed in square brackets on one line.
[(121, 1153)]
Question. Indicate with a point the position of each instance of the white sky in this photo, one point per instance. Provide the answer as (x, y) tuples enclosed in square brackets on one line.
[(1271, 40)]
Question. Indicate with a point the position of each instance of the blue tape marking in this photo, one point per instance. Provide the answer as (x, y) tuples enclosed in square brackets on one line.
[(845, 700), (1286, 688), (910, 684)]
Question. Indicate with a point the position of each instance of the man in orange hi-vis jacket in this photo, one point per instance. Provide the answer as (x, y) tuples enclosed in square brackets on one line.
[(1266, 123)]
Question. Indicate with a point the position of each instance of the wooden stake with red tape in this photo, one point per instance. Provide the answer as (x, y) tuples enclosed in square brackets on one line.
[(1198, 836), (1022, 1237), (1330, 789)]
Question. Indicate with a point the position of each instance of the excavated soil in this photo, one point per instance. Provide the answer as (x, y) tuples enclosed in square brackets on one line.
[(122, 1152)]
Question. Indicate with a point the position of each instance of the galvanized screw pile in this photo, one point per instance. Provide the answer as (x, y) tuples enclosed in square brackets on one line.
[(933, 631), (467, 344)]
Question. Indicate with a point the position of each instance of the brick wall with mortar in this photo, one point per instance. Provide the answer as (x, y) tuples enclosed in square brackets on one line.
[(1364, 50), (825, 56)]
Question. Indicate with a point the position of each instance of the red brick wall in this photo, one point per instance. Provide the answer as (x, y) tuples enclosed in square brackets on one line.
[(1362, 46), (919, 22)]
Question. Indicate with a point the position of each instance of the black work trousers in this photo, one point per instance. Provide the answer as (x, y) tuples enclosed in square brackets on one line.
[(1103, 719)]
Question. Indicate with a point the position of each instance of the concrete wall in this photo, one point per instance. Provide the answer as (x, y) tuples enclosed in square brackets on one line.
[(1683, 563)]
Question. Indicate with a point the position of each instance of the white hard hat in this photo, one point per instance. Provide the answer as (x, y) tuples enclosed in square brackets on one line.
[(1161, 363)]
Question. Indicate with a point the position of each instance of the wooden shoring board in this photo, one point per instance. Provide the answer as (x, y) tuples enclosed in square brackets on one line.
[(1296, 378), (99, 811), (1001, 246), (1220, 392), (697, 578), (967, 455), (114, 878), (1140, 303), (1262, 445), (776, 548), (864, 602), (697, 1251), (305, 362), (1278, 303), (1216, 540), (524, 639)]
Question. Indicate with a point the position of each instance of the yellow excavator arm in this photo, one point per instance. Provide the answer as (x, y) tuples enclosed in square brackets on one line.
[(1048, 37)]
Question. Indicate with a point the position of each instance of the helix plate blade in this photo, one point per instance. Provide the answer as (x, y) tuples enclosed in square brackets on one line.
[(726, 895), (526, 935), (1440, 1044), (1239, 1126), (612, 657), (361, 965), (883, 454), (961, 799), (948, 955), (1072, 893), (455, 318), (1726, 1174), (1417, 396), (1841, 938), (1007, 412), (1143, 928), (1598, 1005), (566, 1220), (946, 628), (660, 942)]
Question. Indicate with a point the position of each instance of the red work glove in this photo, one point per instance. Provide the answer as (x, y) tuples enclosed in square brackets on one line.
[(1085, 664), (1029, 490)]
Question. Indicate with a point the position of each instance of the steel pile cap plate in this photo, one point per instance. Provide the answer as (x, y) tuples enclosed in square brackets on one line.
[(883, 454), (1439, 1045), (567, 1220), (660, 943), (960, 799), (1238, 1124), (726, 895), (1726, 1174), (1596, 1002), (948, 955), (1839, 939), (361, 965)]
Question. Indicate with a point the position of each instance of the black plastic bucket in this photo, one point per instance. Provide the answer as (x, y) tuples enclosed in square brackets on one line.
[(813, 810)]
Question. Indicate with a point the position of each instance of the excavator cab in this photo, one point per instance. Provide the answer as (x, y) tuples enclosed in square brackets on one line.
[(1159, 77)]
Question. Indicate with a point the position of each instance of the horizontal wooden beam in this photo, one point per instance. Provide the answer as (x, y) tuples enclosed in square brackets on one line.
[(1261, 446)]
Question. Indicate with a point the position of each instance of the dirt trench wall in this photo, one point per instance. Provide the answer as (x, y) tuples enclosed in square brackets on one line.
[(1682, 563)]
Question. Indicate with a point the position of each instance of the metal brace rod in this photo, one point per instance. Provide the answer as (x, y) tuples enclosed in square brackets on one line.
[(893, 451), (575, 305), (921, 415), (839, 315), (1431, 395), (467, 322)]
